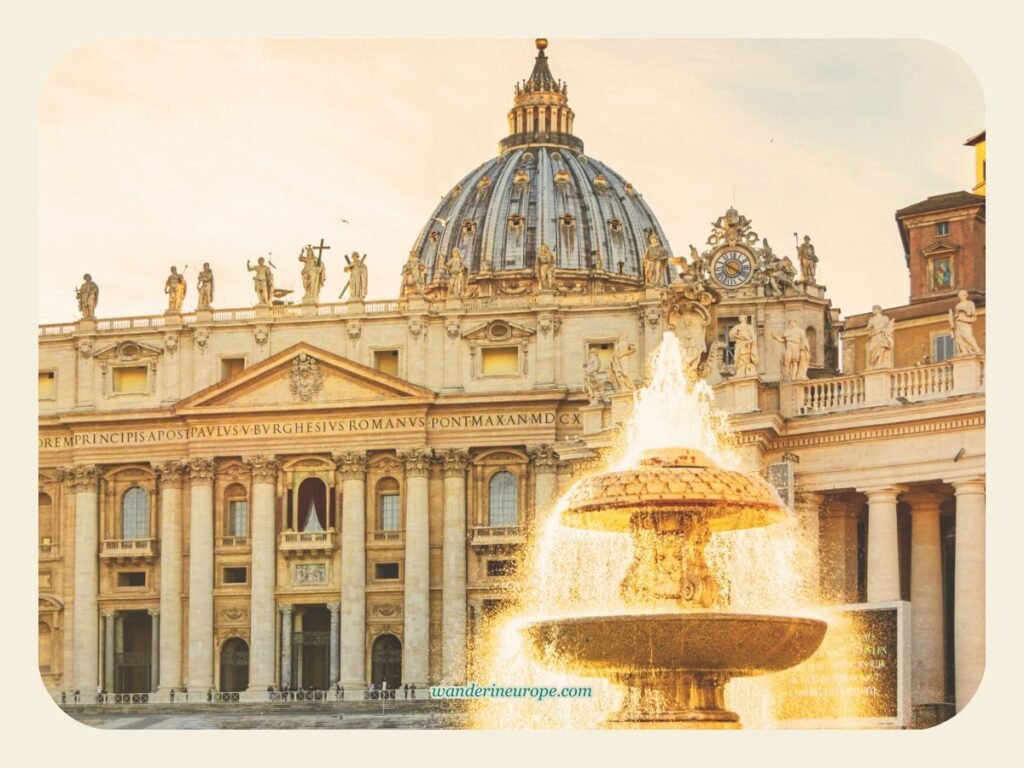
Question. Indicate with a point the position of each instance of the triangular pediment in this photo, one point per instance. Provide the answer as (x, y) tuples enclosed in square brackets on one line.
[(304, 376), (940, 246)]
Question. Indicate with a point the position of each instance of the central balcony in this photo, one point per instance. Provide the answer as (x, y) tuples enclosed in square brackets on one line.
[(307, 543), (497, 536), (128, 550)]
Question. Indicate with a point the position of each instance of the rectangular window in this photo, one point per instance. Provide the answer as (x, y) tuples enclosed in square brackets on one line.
[(133, 380), (390, 512), (131, 579), (231, 367), (238, 518), (499, 360), (383, 571), (386, 361), (501, 567), (236, 575), (942, 228), (604, 353), (942, 348), (47, 385)]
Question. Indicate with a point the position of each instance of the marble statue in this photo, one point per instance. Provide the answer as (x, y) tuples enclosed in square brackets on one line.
[(961, 323), (808, 260), (545, 268), (621, 381), (457, 272), (263, 280), (175, 288), (655, 261), (204, 287), (314, 274), (593, 383), (797, 355), (358, 276), (414, 275), (88, 293), (745, 357), (880, 339)]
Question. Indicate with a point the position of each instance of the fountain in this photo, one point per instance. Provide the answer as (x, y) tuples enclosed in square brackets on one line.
[(677, 646)]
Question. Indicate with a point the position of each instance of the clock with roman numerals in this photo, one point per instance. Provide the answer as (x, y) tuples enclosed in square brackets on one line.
[(732, 268)]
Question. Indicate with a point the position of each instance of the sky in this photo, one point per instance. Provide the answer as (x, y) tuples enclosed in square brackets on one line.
[(158, 152)]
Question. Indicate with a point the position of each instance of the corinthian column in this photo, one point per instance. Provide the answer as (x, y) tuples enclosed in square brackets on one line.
[(200, 575), (969, 589), (416, 648), (926, 616), (453, 567), (352, 470), (83, 481), (883, 552), (335, 609), (545, 470), (171, 476), (261, 614), (808, 511)]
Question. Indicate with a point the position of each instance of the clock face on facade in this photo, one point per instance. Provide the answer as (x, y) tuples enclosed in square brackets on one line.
[(732, 268)]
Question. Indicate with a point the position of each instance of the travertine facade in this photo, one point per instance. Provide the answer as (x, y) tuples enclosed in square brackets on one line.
[(327, 495)]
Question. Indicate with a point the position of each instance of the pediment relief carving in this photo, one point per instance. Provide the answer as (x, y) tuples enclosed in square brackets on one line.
[(498, 330), (128, 352)]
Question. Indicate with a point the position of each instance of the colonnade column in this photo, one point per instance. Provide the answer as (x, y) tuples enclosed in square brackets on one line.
[(808, 507), (453, 567), (200, 575), (969, 588), (83, 481), (883, 549), (262, 612), (926, 615), (416, 645), (286, 646), (335, 609), (154, 654), (171, 476), (545, 469), (352, 469), (838, 558), (108, 650)]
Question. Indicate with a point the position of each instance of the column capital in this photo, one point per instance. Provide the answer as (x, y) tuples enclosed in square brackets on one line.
[(334, 608), (171, 473), (885, 494), (288, 608), (416, 461), (109, 613), (201, 471), (80, 478), (543, 457), (263, 468), (351, 464), (968, 486), (922, 499), (454, 462), (155, 612)]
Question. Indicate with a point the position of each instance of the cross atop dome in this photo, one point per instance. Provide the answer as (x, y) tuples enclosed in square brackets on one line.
[(540, 112)]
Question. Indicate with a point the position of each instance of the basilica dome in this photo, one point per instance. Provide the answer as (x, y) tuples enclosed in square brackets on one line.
[(542, 189)]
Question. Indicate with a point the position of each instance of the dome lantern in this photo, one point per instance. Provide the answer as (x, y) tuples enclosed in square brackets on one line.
[(540, 111)]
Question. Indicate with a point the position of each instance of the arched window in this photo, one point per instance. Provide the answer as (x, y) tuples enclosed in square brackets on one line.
[(236, 511), (312, 509), (389, 505), (45, 519), (504, 491), (135, 514)]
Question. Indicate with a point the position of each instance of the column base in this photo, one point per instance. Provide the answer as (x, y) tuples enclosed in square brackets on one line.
[(930, 715)]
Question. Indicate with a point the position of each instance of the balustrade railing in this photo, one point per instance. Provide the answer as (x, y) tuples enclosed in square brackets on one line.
[(923, 381), (379, 537), (128, 548), (821, 395), (227, 542), (307, 539)]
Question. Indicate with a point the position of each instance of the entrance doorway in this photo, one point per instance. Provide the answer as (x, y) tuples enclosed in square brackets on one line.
[(133, 653), (234, 665), (311, 666), (386, 665)]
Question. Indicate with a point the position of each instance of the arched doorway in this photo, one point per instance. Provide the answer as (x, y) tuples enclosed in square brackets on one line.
[(311, 649), (311, 509), (386, 662), (234, 665)]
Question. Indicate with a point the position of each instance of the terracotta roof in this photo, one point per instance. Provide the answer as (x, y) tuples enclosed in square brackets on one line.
[(948, 201)]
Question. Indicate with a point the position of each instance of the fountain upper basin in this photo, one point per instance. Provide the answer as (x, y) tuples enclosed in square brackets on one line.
[(732, 643), (667, 484)]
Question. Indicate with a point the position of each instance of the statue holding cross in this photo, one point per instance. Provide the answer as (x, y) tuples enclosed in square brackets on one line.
[(314, 272)]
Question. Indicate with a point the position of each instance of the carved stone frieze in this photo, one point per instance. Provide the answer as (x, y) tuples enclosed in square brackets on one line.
[(306, 378)]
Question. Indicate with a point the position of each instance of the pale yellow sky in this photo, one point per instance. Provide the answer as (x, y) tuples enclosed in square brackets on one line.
[(155, 153)]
